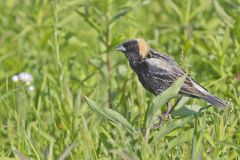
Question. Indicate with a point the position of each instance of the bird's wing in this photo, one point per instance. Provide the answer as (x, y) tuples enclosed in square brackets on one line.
[(167, 70), (159, 68), (155, 54)]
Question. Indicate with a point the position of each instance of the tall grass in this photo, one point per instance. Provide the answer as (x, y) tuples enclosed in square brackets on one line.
[(88, 104)]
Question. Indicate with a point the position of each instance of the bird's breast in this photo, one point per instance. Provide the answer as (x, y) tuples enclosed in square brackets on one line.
[(150, 83)]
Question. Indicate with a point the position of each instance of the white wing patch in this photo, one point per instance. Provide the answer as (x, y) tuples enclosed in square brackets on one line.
[(161, 64)]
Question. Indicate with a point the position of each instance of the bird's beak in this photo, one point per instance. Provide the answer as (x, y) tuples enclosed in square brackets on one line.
[(120, 48)]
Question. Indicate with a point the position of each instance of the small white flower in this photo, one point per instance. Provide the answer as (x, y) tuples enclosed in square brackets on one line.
[(25, 77), (30, 88), (15, 78)]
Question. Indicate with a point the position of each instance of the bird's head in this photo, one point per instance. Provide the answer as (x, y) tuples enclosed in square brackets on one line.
[(134, 49)]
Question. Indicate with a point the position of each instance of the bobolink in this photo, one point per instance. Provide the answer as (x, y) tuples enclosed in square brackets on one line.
[(157, 71)]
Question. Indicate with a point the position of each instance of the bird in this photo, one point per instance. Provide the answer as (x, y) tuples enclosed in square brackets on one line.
[(156, 72)]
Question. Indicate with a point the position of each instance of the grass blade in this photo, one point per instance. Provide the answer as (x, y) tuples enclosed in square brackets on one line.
[(110, 114), (229, 145), (170, 127), (222, 14), (67, 151)]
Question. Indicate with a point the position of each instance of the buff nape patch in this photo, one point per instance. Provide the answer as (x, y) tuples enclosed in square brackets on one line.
[(143, 48)]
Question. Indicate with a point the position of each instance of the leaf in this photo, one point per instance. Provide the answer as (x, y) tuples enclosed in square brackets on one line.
[(185, 137), (196, 142), (176, 9), (6, 95), (182, 102), (229, 145), (209, 139), (188, 110), (110, 114), (170, 127), (162, 99), (104, 138), (20, 155), (125, 155), (120, 14), (222, 14), (67, 151), (90, 22), (200, 9)]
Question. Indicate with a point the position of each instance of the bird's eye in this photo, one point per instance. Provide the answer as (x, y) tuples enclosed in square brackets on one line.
[(129, 47)]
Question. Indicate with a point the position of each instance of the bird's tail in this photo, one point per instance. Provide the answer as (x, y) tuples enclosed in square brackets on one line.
[(215, 101)]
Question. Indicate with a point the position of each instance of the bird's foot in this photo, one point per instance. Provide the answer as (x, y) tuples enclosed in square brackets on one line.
[(166, 115), (161, 120)]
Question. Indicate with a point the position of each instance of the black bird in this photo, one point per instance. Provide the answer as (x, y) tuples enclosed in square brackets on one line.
[(157, 71)]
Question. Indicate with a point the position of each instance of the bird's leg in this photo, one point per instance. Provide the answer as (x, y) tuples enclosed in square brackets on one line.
[(159, 123), (171, 108), (166, 114)]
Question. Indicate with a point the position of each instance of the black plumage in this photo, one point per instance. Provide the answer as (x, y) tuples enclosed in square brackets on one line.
[(157, 71)]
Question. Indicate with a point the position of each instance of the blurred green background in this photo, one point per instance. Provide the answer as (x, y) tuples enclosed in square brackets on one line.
[(68, 47)]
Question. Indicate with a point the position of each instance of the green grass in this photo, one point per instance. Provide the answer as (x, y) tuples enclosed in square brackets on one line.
[(88, 104)]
